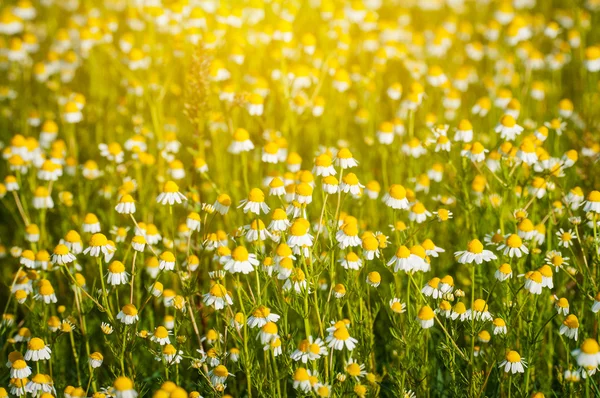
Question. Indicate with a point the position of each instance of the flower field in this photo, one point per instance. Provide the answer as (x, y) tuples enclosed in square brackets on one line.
[(316, 198)]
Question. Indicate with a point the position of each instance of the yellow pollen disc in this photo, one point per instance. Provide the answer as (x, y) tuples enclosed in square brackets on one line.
[(36, 344), (123, 383), (513, 357), (341, 333), (116, 267), (170, 187), (403, 252), (426, 313), (98, 240), (514, 241), (590, 346), (256, 195), (475, 246), (397, 192), (240, 253), (129, 309)]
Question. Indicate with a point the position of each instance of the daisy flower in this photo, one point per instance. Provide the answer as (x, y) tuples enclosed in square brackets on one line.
[(117, 274), (513, 363), (396, 197), (592, 204), (431, 288), (588, 354), (474, 253), (126, 205), (354, 369), (479, 311), (261, 316), (241, 142), (37, 350), (170, 194), (167, 261), (351, 261), (123, 388), (95, 360), (508, 128), (426, 317), (128, 314), (99, 245), (255, 203), (565, 238), (513, 246), (222, 203), (533, 282), (241, 261), (217, 297), (499, 326), (570, 327), (339, 338), (309, 350)]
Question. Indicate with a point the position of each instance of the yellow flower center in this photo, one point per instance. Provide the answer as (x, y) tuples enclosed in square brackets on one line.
[(475, 246)]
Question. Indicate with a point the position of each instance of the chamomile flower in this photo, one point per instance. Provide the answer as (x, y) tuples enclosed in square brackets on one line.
[(561, 305), (167, 261), (396, 197), (126, 205), (355, 369), (397, 306), (261, 316), (475, 253), (351, 261), (217, 297), (479, 311), (426, 317), (339, 338), (344, 159), (37, 350), (588, 354), (596, 305), (117, 274), (499, 326), (513, 247), (241, 142), (309, 350), (222, 203), (565, 238), (592, 204), (19, 369), (533, 282), (170, 194), (128, 314), (513, 363), (508, 128), (123, 388), (255, 203), (99, 245), (95, 360), (570, 327)]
